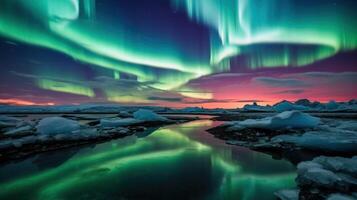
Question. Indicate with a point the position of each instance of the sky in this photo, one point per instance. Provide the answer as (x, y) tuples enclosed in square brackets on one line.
[(177, 53)]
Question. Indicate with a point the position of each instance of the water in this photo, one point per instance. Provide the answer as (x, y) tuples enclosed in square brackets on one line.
[(174, 162)]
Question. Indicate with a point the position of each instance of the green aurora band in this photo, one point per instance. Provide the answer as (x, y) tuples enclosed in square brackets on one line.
[(57, 26), (301, 33), (323, 28), (65, 87)]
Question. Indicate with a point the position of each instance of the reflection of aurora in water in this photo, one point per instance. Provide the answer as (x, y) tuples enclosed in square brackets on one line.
[(268, 33), (176, 161)]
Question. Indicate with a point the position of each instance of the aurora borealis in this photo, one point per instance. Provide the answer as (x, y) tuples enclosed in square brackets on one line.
[(177, 52)]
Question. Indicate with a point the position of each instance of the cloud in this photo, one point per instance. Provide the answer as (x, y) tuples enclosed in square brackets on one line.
[(225, 75), (329, 77), (129, 90), (170, 99), (281, 82), (18, 102), (328, 74), (249, 101), (344, 80), (297, 91), (202, 101), (98, 82)]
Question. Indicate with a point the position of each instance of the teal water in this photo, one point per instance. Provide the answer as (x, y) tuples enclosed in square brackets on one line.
[(174, 162)]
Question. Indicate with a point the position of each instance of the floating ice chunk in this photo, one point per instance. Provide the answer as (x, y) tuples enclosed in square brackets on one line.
[(118, 122), (321, 176), (340, 197), (148, 115), (348, 125), (337, 140), (7, 119), (125, 114), (18, 131), (323, 173), (235, 127), (57, 125), (285, 120), (338, 164), (303, 166)]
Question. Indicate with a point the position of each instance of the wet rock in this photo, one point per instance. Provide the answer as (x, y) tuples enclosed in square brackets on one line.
[(288, 194)]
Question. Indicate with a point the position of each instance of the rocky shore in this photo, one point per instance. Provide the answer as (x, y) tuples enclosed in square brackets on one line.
[(331, 178), (328, 172)]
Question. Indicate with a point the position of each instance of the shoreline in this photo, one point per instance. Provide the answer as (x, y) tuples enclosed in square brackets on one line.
[(12, 151)]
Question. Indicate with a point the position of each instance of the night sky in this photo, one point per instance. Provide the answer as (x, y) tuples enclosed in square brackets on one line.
[(179, 53)]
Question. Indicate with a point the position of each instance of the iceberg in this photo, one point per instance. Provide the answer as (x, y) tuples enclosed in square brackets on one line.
[(284, 120), (335, 140), (257, 108), (288, 106), (148, 115), (57, 125)]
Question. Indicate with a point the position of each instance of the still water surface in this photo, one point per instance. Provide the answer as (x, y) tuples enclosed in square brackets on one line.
[(174, 162)]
